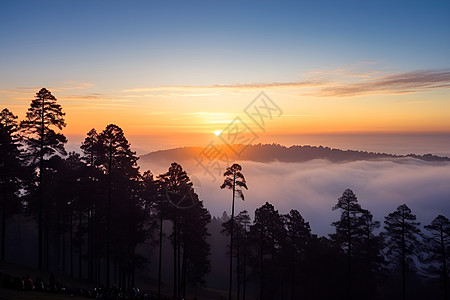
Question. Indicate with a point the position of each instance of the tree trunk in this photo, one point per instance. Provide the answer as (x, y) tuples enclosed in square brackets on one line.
[(64, 247), (403, 260), (108, 233), (238, 271), (349, 254), (160, 254), (3, 232), (231, 240), (133, 265), (115, 269), (89, 243), (80, 234), (444, 262), (175, 258), (71, 246), (293, 272), (41, 192), (46, 243), (58, 248), (183, 277), (179, 259), (272, 268), (245, 263), (261, 261)]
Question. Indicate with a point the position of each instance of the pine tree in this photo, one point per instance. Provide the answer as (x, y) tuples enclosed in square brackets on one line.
[(11, 170), (189, 218), (267, 233), (243, 219), (43, 142), (402, 240), (92, 154), (348, 229), (176, 188), (298, 238), (241, 224), (235, 181), (370, 256), (119, 163), (438, 250), (196, 249)]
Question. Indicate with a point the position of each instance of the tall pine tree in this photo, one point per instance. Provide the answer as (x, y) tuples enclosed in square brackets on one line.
[(438, 250), (348, 228), (11, 170), (43, 142), (402, 240), (119, 163), (235, 181)]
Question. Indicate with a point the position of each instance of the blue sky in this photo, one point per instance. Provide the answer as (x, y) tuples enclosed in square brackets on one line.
[(213, 42), (179, 61)]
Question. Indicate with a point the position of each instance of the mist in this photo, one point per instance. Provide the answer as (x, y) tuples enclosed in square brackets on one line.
[(313, 188)]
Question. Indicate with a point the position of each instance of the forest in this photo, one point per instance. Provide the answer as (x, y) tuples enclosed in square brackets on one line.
[(94, 210)]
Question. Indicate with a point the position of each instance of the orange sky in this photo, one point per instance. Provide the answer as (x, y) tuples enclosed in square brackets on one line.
[(370, 104)]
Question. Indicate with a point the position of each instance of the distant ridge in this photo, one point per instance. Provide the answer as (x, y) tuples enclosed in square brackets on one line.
[(276, 152)]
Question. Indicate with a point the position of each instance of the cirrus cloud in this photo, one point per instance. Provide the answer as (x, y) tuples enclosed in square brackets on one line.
[(399, 83)]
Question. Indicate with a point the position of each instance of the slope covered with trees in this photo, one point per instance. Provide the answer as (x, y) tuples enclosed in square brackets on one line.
[(275, 152)]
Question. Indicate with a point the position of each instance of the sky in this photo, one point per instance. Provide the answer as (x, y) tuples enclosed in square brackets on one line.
[(171, 73)]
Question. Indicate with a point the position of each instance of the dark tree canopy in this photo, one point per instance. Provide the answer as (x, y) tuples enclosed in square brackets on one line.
[(348, 228), (114, 148), (42, 142), (234, 179), (11, 170), (403, 241), (438, 251), (43, 115)]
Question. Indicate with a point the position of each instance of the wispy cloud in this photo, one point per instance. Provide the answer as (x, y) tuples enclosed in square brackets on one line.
[(95, 98), (333, 83), (270, 85), (59, 87), (399, 83), (71, 85)]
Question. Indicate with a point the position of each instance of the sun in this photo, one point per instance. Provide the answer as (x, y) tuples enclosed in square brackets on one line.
[(217, 132)]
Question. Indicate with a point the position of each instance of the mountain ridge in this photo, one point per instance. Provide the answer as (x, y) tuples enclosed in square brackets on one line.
[(276, 152)]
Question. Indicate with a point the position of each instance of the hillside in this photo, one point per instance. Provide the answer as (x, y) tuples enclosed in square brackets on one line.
[(275, 152)]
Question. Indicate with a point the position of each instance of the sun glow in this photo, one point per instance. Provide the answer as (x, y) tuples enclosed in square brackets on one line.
[(217, 132)]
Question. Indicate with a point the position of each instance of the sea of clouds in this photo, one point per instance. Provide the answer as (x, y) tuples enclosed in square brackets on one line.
[(313, 188)]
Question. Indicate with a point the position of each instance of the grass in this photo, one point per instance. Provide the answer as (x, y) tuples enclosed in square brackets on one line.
[(143, 282), (19, 295)]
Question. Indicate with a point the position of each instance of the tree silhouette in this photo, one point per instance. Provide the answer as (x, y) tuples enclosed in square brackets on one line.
[(370, 256), (176, 188), (11, 170), (196, 249), (347, 229), (92, 154), (243, 220), (438, 246), (298, 238), (119, 163), (189, 219), (66, 188), (43, 142), (402, 240), (267, 235), (149, 202), (235, 181), (240, 231)]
